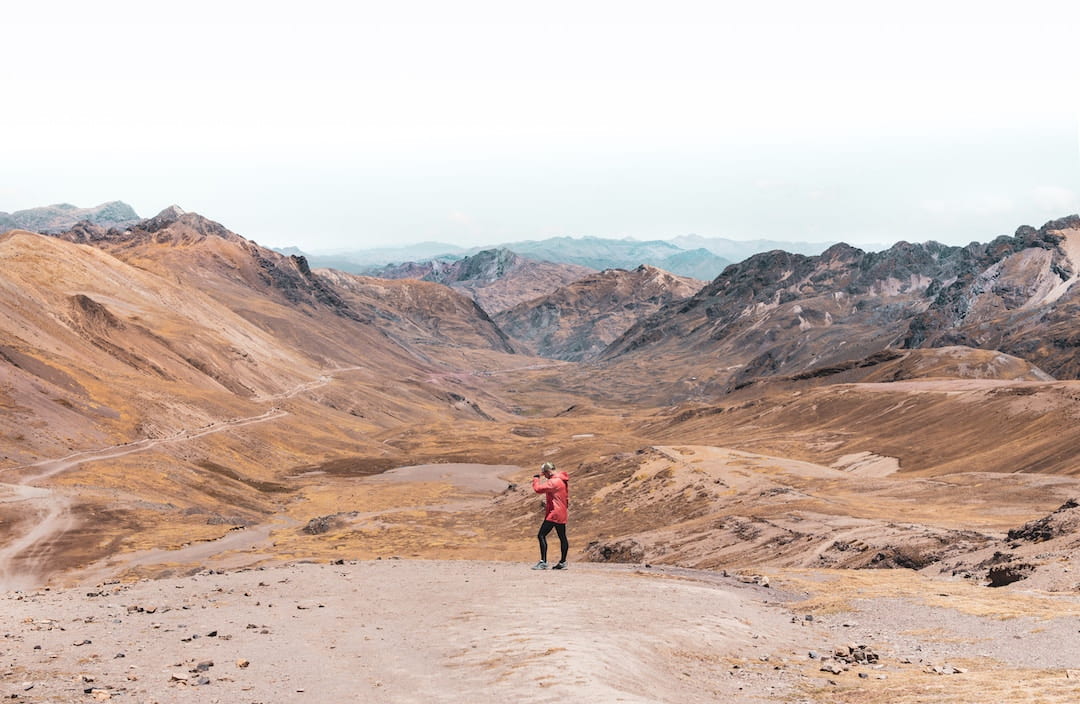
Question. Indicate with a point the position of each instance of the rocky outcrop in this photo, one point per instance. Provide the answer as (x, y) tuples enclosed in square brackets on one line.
[(578, 321), (1064, 521), (779, 313)]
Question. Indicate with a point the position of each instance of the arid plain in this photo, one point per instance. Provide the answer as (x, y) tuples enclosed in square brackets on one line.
[(808, 456)]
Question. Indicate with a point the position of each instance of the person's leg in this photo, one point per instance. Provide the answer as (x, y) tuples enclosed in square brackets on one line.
[(564, 544), (541, 536)]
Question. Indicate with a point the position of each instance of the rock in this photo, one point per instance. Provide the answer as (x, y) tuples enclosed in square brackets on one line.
[(627, 551), (242, 663), (1001, 575), (833, 667)]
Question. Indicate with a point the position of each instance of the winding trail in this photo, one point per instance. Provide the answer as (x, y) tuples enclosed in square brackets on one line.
[(24, 557)]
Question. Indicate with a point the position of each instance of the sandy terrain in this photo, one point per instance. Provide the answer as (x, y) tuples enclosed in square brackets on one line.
[(404, 631)]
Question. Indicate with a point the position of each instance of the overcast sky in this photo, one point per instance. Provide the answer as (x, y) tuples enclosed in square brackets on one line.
[(353, 124)]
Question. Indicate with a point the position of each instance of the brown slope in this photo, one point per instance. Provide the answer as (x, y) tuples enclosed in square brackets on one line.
[(419, 312), (186, 374), (576, 322)]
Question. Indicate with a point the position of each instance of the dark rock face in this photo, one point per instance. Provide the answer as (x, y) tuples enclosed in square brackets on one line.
[(783, 313), (1064, 521), (1002, 575)]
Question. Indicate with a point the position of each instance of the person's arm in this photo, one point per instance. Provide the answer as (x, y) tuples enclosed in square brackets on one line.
[(543, 486)]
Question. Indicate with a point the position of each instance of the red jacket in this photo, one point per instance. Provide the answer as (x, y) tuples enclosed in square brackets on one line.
[(557, 492)]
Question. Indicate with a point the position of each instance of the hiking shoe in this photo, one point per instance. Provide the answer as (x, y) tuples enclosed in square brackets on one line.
[(560, 566), (540, 565)]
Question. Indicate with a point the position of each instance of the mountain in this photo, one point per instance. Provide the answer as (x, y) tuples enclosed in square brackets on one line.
[(600, 253), (577, 321), (591, 253), (497, 279), (362, 261), (417, 314), (737, 250), (113, 336), (63, 216), (779, 313)]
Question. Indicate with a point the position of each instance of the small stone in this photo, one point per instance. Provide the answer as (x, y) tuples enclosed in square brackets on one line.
[(863, 676), (204, 665), (832, 667), (242, 663)]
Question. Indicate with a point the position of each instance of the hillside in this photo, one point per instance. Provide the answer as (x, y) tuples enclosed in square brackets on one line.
[(496, 279), (576, 322), (778, 313), (212, 365)]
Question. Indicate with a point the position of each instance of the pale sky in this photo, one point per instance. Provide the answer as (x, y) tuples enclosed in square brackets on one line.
[(331, 125)]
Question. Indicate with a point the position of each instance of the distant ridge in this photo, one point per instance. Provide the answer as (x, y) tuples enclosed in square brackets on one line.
[(497, 279), (51, 219), (592, 253)]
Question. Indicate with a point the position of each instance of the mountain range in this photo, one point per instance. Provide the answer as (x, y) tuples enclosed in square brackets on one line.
[(691, 256), (175, 396)]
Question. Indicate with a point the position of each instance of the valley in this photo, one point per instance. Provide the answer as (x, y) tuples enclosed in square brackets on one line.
[(885, 443)]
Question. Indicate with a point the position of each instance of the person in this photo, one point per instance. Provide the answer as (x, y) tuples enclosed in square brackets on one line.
[(556, 490)]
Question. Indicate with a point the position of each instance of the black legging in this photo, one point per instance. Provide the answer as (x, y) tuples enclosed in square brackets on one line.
[(545, 528)]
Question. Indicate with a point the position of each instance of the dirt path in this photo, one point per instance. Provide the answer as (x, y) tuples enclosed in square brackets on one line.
[(406, 631)]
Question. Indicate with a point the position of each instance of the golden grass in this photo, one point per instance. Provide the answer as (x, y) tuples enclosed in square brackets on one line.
[(977, 686), (836, 591)]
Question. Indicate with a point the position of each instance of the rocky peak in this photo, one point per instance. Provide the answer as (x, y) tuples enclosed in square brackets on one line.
[(166, 217), (486, 266), (184, 226), (577, 321)]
